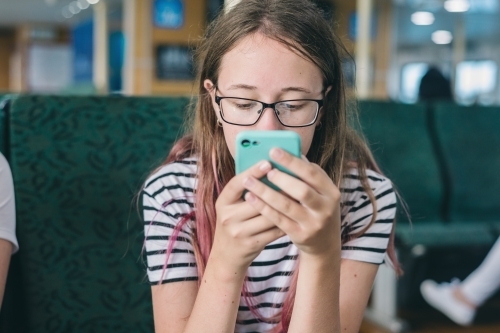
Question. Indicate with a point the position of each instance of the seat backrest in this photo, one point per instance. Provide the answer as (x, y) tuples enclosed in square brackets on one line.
[(469, 138), (77, 164), (399, 138)]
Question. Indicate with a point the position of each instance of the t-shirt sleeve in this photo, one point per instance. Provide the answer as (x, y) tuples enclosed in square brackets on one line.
[(7, 205), (167, 201), (371, 246)]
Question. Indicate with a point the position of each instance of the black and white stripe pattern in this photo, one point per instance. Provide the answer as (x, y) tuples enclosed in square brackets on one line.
[(169, 195)]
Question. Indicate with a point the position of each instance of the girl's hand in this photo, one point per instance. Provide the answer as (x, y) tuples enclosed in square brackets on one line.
[(309, 213), (241, 232)]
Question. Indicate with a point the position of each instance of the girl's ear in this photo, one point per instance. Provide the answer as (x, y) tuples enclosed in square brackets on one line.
[(327, 90), (209, 87)]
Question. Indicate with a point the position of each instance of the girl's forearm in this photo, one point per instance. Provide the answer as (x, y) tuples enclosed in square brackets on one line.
[(217, 301), (316, 307)]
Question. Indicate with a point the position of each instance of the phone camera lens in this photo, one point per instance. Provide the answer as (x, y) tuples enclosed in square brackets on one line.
[(245, 143)]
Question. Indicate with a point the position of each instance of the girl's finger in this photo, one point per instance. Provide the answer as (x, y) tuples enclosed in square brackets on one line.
[(257, 225), (240, 211), (276, 216), (296, 189), (310, 173), (233, 191), (269, 236)]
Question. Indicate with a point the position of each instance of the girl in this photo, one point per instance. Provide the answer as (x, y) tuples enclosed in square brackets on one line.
[(301, 260)]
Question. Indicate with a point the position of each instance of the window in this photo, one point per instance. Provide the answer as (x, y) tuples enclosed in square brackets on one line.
[(410, 81), (476, 81)]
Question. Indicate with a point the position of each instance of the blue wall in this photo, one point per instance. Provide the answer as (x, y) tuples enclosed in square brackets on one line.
[(83, 50)]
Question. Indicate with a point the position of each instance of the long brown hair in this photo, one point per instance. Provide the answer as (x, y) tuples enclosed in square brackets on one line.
[(336, 147)]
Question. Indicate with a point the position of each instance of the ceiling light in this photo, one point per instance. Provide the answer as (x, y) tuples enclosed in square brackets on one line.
[(442, 37), (457, 6), (83, 4), (66, 12), (93, 2), (422, 18), (73, 8)]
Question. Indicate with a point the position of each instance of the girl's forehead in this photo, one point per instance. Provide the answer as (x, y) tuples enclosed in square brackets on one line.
[(259, 60)]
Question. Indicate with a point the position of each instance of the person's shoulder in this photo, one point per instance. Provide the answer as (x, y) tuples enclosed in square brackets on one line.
[(375, 179), (353, 190), (180, 174), (5, 176), (4, 165)]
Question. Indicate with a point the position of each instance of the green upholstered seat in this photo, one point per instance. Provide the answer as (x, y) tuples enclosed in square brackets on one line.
[(469, 138), (440, 235), (78, 163), (399, 138)]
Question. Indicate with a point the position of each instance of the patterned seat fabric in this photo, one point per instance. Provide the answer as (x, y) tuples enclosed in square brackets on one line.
[(470, 140), (402, 145), (78, 163)]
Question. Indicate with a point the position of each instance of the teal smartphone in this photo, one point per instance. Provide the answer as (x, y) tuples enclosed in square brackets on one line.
[(254, 146)]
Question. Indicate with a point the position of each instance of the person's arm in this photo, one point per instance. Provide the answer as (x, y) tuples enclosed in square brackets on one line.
[(181, 307), (356, 281), (172, 305), (5, 254), (8, 241), (309, 214), (318, 289), (330, 295), (362, 255), (241, 234), (316, 306)]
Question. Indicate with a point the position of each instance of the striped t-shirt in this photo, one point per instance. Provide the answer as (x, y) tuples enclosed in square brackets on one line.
[(169, 195)]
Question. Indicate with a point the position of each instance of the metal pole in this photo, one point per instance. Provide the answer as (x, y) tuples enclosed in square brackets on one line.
[(363, 62), (459, 46), (228, 4), (129, 20), (101, 52)]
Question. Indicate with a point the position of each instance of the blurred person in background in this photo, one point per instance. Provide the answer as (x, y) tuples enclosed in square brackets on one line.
[(460, 300), (8, 241), (434, 86)]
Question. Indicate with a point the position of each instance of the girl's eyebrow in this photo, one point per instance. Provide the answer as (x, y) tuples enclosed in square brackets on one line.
[(248, 87), (299, 89), (241, 86)]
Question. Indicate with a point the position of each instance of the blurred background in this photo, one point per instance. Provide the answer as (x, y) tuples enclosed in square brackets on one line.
[(144, 47), (56, 56)]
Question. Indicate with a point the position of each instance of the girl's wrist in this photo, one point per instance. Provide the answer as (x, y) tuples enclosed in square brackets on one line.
[(322, 259), (224, 271)]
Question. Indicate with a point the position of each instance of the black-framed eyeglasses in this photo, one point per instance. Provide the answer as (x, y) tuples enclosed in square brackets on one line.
[(290, 113)]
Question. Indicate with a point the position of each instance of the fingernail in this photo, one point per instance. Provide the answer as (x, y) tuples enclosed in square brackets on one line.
[(276, 153), (248, 182), (265, 166), (271, 174), (249, 197)]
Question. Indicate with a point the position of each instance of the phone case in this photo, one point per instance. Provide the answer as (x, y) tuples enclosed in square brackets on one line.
[(254, 146)]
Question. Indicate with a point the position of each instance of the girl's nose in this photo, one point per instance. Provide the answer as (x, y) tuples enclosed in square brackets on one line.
[(268, 120)]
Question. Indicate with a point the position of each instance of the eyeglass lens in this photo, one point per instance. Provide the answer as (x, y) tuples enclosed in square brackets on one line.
[(247, 112)]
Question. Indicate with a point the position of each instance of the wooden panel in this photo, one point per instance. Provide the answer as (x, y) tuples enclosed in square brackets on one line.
[(173, 88), (194, 25), (189, 34), (343, 11), (6, 50)]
